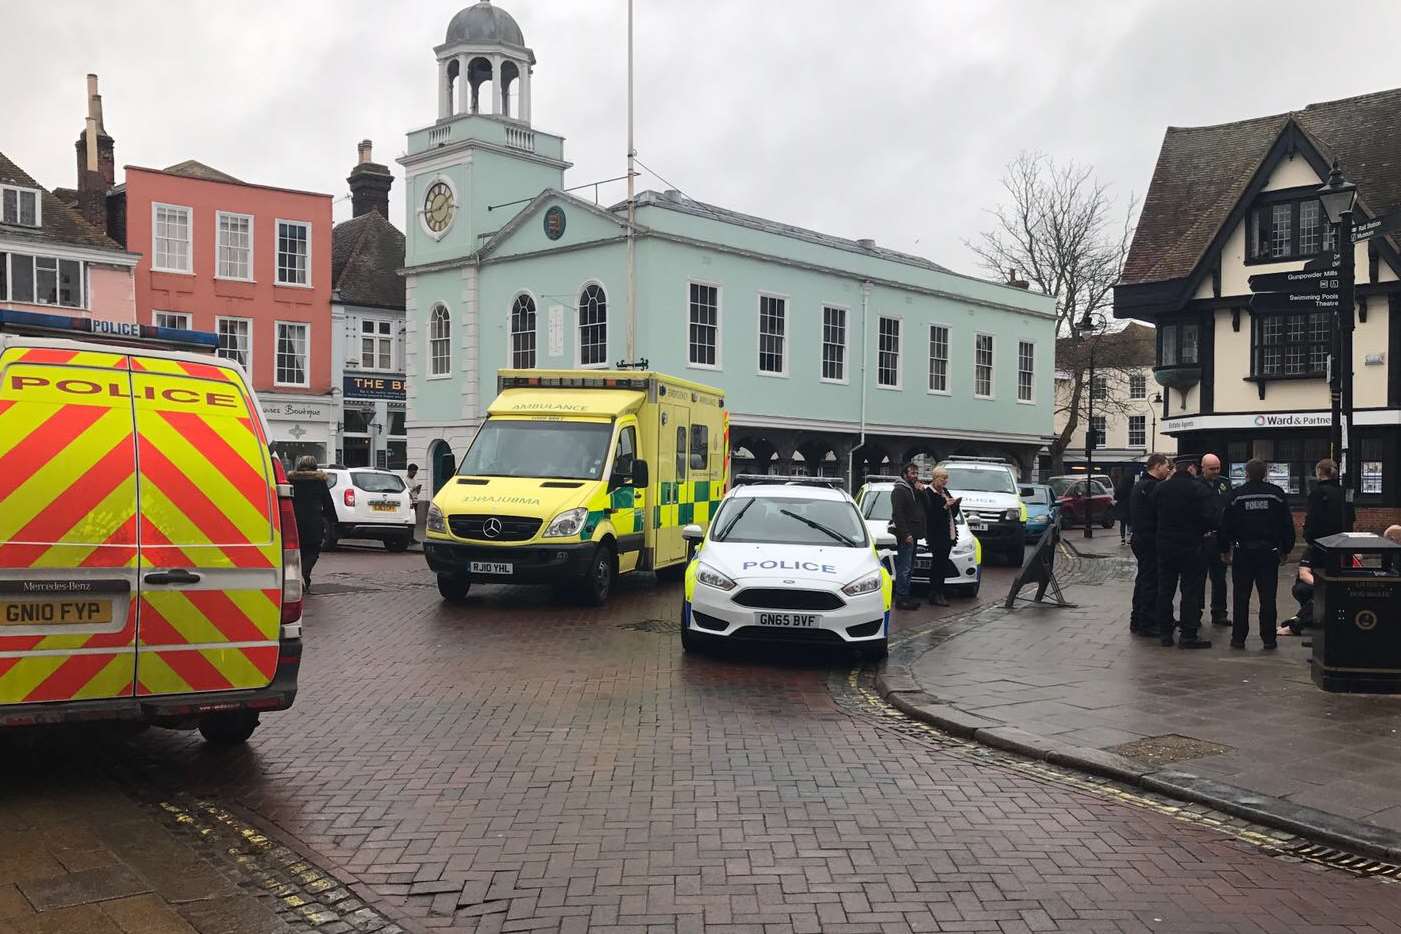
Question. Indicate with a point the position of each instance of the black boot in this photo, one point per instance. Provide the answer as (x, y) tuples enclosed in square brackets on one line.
[(1192, 642)]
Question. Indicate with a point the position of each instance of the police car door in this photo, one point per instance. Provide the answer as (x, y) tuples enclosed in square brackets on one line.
[(67, 526), (210, 551)]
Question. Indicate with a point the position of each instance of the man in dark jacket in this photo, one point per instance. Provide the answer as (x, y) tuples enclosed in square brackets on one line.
[(311, 501), (1220, 488), (1143, 619), (1123, 493), (1182, 508), (1257, 530), (907, 516), (1327, 513)]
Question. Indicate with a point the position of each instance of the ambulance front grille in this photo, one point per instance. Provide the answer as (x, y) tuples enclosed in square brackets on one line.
[(481, 528)]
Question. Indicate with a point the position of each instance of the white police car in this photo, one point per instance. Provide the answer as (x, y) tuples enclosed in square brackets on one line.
[(787, 560), (966, 556)]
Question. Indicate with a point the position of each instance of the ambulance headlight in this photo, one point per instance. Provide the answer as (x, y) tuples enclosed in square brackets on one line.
[(436, 521), (707, 575), (568, 523), (863, 585)]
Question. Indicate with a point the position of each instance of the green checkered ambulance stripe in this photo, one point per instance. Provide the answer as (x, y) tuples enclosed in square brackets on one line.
[(684, 503)]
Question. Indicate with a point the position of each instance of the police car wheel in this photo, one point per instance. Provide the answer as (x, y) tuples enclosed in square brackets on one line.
[(598, 581), (398, 544), (691, 641), (229, 727), (876, 651), (453, 589)]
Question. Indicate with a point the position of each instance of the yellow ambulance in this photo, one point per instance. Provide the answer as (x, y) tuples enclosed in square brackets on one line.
[(148, 549), (577, 476)]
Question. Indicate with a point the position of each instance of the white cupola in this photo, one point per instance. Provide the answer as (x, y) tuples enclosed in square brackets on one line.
[(484, 66)]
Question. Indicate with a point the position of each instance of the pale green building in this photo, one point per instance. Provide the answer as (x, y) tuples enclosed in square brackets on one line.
[(817, 341)]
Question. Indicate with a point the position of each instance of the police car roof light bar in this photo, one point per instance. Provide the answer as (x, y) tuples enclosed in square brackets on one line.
[(880, 478), (116, 332), (760, 479), (976, 460)]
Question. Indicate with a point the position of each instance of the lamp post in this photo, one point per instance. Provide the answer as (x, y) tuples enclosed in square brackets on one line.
[(1152, 445), (1338, 196), (1089, 325)]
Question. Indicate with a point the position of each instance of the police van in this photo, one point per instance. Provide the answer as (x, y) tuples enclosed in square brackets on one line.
[(787, 560), (149, 563)]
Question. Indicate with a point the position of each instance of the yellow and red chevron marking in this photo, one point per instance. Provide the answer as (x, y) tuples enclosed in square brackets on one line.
[(169, 367), (207, 640), (98, 359)]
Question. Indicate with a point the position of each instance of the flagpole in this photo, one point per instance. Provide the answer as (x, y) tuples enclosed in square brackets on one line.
[(632, 214)]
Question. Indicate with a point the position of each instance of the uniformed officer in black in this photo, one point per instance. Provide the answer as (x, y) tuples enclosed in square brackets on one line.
[(1220, 487), (1143, 619), (1182, 507), (1258, 530)]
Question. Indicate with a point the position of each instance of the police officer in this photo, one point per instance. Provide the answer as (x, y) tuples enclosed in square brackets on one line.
[(1182, 508), (1258, 530), (1220, 488), (1143, 620)]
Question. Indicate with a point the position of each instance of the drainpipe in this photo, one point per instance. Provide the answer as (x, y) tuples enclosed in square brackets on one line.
[(865, 340)]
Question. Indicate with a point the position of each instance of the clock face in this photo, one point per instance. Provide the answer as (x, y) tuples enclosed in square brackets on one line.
[(438, 207)]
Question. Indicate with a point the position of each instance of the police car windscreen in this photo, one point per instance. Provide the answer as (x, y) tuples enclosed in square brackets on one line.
[(528, 448), (981, 481), (376, 482), (791, 521), (876, 505)]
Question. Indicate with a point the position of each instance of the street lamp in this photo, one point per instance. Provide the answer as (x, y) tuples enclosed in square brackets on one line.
[(1157, 401), (1088, 324), (1338, 196)]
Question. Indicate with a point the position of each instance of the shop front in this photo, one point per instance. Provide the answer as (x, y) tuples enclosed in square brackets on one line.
[(372, 432), (299, 425), (1292, 443)]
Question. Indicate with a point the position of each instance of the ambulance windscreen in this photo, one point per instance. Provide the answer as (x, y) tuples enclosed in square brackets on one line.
[(554, 450)]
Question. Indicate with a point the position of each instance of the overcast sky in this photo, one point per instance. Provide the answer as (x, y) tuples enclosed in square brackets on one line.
[(889, 119)]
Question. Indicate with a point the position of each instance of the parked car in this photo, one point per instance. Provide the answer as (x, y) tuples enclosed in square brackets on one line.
[(371, 504), (1086, 500), (1042, 508), (965, 557), (995, 513), (1062, 482)]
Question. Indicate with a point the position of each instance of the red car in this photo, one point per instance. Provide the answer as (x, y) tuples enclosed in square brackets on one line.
[(1076, 502)]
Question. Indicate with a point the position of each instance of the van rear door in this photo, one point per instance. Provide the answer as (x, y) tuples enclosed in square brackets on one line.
[(68, 526), (211, 559)]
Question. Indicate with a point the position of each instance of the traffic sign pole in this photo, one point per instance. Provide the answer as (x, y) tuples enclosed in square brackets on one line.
[(1342, 430)]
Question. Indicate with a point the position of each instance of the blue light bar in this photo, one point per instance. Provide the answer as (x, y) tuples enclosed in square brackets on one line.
[(121, 331)]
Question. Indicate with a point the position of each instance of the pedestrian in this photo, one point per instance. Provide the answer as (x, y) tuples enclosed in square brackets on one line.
[(1143, 618), (1123, 493), (1302, 591), (941, 530), (311, 501), (416, 501), (1220, 488), (1327, 513), (1257, 532), (907, 518), (1183, 512)]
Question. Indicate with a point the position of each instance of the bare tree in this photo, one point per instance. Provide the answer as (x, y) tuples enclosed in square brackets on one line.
[(1056, 231)]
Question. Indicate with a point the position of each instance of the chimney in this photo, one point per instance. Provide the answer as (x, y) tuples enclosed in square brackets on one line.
[(97, 164), (369, 183), (1016, 282)]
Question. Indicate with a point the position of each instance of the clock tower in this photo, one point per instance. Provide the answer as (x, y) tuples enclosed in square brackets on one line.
[(468, 174)]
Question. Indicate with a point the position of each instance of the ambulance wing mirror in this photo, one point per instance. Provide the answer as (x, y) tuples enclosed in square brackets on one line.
[(693, 533), (640, 476)]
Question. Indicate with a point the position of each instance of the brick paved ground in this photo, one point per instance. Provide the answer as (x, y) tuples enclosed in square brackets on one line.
[(1079, 676), (517, 764)]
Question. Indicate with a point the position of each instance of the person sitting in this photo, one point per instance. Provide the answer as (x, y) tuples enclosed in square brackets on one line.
[(1303, 588)]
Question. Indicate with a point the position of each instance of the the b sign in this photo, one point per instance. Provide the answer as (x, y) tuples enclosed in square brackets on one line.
[(378, 386)]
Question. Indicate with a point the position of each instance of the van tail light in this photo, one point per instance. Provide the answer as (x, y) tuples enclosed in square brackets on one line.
[(349, 496), (291, 548)]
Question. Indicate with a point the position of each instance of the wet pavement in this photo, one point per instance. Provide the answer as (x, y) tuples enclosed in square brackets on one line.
[(519, 763)]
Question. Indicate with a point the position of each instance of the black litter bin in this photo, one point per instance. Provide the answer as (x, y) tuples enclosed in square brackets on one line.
[(1357, 612)]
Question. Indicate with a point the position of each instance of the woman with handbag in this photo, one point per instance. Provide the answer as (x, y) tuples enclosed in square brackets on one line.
[(940, 509)]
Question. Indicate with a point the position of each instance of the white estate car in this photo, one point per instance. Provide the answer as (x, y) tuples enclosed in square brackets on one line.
[(370, 504), (787, 561), (966, 556)]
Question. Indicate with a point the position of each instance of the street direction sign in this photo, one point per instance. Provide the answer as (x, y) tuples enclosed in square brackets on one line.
[(1322, 261), (1294, 301), (1304, 280), (1377, 227)]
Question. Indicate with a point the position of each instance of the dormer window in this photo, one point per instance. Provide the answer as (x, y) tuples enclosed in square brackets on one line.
[(19, 206), (1282, 228)]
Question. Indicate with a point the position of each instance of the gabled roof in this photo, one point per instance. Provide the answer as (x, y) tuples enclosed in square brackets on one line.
[(192, 169), (60, 224), (366, 254), (499, 237), (679, 202), (1203, 172)]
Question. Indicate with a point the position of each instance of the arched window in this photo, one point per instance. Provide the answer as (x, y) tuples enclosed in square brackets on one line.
[(439, 342), (593, 326), (523, 333)]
